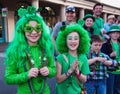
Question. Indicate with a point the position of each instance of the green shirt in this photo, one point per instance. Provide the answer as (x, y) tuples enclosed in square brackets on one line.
[(17, 75), (70, 85), (98, 25), (116, 47)]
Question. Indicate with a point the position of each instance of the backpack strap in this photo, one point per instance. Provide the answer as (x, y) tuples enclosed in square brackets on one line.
[(65, 57), (63, 23)]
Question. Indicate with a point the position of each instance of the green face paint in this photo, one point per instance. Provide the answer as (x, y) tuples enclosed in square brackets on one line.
[(75, 37), (29, 28), (69, 37)]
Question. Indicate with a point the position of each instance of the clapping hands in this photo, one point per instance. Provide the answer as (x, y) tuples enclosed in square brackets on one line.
[(74, 66)]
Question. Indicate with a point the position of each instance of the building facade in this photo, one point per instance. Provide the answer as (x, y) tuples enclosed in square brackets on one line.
[(52, 12)]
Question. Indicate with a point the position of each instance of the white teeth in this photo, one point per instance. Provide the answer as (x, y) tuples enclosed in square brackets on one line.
[(73, 45)]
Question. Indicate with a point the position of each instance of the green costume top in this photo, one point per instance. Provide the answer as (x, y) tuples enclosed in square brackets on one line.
[(18, 75), (98, 25), (70, 85), (116, 47), (21, 57)]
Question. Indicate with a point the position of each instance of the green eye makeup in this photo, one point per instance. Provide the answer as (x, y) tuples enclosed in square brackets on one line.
[(29, 28), (69, 37), (75, 37)]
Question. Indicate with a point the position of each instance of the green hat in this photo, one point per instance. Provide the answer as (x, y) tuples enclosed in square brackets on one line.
[(114, 28), (89, 16)]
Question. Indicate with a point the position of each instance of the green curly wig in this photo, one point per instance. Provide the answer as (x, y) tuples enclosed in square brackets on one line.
[(17, 49), (62, 36)]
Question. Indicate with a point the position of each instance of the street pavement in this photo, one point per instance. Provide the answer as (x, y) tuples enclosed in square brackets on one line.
[(11, 89), (4, 88)]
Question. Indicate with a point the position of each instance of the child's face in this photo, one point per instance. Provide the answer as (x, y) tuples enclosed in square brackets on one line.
[(32, 32), (89, 22), (114, 35), (96, 46), (73, 41)]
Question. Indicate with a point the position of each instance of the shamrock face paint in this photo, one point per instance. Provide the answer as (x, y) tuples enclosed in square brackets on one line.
[(29, 28), (73, 41), (33, 32)]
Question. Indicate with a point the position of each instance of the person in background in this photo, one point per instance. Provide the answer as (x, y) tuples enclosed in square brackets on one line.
[(88, 23), (110, 21), (29, 57), (98, 63), (112, 48), (118, 20), (99, 22), (70, 16), (72, 64)]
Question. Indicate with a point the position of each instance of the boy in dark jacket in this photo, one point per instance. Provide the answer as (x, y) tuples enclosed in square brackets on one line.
[(112, 48)]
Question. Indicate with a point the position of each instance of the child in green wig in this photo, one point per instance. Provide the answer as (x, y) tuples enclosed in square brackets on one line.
[(29, 57), (72, 64)]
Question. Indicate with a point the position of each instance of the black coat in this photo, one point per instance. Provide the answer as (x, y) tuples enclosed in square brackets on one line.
[(107, 48)]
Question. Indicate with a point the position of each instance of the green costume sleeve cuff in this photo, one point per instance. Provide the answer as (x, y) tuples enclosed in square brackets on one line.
[(52, 71)]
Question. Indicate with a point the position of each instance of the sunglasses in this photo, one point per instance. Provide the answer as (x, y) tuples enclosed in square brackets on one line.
[(29, 28)]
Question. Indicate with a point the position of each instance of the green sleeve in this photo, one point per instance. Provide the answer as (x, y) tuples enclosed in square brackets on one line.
[(81, 22), (98, 25), (13, 77), (51, 67), (60, 59)]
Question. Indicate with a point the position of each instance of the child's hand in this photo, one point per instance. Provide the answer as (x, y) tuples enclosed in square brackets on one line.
[(77, 71), (74, 66), (107, 62), (100, 59), (44, 71), (103, 31), (113, 54), (33, 72)]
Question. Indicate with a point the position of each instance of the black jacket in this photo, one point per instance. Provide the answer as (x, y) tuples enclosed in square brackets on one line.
[(107, 48)]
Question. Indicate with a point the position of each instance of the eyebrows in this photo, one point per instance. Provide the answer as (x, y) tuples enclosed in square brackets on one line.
[(71, 36)]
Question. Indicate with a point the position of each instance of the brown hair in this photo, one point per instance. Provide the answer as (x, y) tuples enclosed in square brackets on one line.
[(97, 4), (96, 38)]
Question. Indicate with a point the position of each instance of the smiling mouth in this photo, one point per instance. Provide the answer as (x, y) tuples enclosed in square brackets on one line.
[(33, 37), (73, 45)]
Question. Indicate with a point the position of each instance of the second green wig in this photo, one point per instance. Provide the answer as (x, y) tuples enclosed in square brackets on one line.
[(62, 38)]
